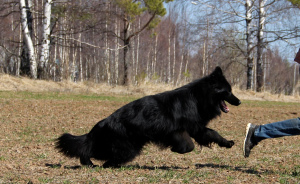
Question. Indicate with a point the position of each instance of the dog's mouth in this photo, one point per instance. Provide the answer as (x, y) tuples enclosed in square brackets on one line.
[(224, 107)]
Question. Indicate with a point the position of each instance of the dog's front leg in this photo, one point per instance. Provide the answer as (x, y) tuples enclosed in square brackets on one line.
[(208, 136)]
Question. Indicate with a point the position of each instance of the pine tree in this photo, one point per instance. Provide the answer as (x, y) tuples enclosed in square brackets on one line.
[(130, 11)]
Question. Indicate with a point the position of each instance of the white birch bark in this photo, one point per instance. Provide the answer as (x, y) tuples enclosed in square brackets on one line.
[(117, 53), (249, 40), (46, 35), (174, 59), (74, 64), (55, 58), (204, 59), (137, 50), (183, 51), (147, 65), (62, 53), (80, 52), (155, 56), (131, 69), (28, 39), (36, 24), (260, 45), (169, 58), (107, 56), (94, 61), (80, 59)]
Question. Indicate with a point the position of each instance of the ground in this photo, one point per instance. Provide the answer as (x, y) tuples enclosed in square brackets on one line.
[(31, 121)]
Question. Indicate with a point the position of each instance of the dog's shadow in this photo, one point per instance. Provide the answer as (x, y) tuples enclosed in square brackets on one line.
[(125, 167), (234, 168), (198, 166)]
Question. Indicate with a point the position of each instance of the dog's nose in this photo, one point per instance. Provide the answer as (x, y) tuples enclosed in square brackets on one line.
[(237, 102)]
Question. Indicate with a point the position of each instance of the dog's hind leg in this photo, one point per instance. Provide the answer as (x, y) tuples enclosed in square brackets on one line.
[(123, 154), (181, 142), (111, 164), (117, 162), (86, 161), (208, 136)]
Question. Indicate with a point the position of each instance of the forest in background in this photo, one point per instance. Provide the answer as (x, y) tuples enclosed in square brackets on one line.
[(125, 42)]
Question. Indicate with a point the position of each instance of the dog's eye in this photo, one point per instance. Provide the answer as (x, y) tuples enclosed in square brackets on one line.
[(219, 89)]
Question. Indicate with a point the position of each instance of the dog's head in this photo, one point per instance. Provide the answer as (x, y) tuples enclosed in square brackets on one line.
[(222, 90)]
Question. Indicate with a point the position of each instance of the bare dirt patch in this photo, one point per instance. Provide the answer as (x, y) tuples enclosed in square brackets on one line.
[(30, 122)]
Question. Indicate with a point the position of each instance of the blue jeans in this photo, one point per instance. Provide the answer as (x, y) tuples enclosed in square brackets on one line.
[(278, 129)]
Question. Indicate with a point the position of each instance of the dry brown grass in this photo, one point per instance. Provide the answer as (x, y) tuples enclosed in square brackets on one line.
[(29, 123), (265, 96), (11, 83)]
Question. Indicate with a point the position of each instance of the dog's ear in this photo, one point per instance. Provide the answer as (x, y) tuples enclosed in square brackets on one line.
[(215, 77), (217, 72)]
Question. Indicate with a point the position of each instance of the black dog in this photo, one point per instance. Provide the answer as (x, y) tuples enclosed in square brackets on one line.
[(168, 119)]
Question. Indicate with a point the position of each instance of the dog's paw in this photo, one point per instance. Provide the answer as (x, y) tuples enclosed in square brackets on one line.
[(230, 144)]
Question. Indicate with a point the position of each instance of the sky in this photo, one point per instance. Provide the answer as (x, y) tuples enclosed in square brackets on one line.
[(274, 22)]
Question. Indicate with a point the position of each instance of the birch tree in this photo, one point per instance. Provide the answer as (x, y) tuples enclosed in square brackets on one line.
[(46, 36), (24, 7), (260, 46), (249, 39), (256, 14)]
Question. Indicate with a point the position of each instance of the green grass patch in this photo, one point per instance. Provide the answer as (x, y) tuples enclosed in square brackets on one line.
[(41, 156), (45, 180), (253, 103), (116, 98), (62, 96)]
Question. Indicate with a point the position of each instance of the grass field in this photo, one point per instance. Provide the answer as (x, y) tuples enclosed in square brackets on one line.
[(30, 122)]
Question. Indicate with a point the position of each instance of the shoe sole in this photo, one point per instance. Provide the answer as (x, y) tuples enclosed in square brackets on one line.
[(247, 130)]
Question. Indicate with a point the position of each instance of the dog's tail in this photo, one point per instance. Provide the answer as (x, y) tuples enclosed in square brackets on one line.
[(73, 146)]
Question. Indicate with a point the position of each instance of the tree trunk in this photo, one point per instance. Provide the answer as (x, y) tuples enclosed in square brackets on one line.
[(126, 39), (295, 80), (20, 51), (174, 59), (107, 54), (80, 59), (204, 59), (137, 50), (155, 58), (46, 38), (180, 69), (24, 7), (186, 67), (126, 61), (260, 46), (169, 58), (249, 36), (117, 52)]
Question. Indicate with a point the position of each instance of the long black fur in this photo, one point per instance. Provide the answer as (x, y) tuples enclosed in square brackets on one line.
[(169, 119)]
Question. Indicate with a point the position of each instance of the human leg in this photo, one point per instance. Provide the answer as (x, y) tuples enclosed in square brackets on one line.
[(288, 127), (257, 133)]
